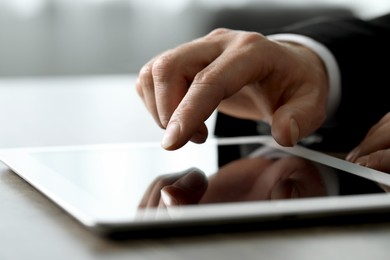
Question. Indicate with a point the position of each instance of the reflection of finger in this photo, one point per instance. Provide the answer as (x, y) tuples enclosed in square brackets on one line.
[(188, 179), (167, 199), (284, 190), (152, 194), (187, 190)]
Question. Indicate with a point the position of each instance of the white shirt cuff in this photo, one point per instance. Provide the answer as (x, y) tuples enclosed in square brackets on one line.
[(330, 64)]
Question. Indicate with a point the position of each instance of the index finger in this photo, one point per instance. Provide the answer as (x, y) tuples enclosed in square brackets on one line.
[(174, 71), (222, 78)]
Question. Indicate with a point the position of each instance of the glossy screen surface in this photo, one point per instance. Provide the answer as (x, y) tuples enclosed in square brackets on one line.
[(122, 176)]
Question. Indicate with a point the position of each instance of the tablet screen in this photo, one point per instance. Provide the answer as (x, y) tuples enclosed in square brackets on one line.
[(112, 186), (121, 176)]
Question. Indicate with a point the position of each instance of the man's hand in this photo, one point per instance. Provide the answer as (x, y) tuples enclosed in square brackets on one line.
[(243, 74)]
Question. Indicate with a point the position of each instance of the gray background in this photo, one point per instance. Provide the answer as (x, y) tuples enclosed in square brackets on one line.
[(73, 37)]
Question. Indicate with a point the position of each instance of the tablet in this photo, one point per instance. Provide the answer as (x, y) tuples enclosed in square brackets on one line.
[(250, 180)]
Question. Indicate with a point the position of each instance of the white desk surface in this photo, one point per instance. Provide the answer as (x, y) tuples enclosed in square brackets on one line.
[(60, 111)]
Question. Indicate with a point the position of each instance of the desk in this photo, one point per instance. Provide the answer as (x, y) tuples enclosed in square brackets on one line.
[(60, 111)]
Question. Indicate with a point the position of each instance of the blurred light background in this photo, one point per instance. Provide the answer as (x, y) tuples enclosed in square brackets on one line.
[(89, 37), (68, 67)]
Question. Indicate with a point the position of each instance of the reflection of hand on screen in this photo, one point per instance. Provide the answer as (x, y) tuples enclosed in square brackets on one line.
[(247, 179), (261, 178)]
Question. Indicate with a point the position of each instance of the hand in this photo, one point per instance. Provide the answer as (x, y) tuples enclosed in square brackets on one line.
[(243, 74), (247, 179), (374, 150)]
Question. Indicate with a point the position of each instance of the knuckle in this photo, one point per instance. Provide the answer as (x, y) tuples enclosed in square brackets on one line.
[(249, 38), (219, 31), (144, 77), (145, 71), (163, 65), (206, 77)]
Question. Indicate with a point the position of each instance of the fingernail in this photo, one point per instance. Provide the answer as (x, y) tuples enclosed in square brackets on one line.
[(171, 135), (349, 156), (167, 199), (352, 155), (294, 131)]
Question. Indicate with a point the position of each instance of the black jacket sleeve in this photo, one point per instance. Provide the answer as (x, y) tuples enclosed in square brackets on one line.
[(362, 51)]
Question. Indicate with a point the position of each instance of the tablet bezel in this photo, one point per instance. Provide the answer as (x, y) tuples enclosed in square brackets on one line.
[(86, 209)]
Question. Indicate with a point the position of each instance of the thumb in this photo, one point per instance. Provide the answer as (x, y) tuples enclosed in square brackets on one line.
[(292, 122)]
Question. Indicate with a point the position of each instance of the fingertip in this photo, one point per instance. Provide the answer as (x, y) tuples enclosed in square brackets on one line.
[(201, 135), (195, 181), (175, 136), (353, 155), (171, 136), (187, 190), (286, 135)]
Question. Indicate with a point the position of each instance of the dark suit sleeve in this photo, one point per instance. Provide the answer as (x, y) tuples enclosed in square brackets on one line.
[(362, 51)]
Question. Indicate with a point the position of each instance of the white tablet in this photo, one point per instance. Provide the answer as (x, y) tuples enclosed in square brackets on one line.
[(251, 180)]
